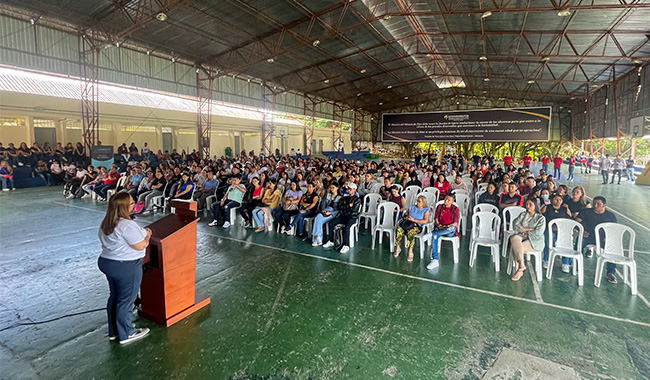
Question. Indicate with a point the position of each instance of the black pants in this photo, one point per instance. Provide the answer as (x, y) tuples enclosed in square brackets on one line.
[(616, 171), (246, 211), (341, 219), (283, 217), (605, 175)]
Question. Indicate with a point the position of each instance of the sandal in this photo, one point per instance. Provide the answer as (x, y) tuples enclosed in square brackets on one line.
[(517, 276), (398, 250), (410, 258)]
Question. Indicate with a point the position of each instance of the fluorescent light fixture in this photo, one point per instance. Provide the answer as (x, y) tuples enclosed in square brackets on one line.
[(316, 42), (546, 58), (486, 14), (162, 16), (359, 94), (531, 81), (270, 60), (381, 103), (564, 12), (486, 79), (326, 81), (482, 58), (362, 71), (389, 86), (406, 97)]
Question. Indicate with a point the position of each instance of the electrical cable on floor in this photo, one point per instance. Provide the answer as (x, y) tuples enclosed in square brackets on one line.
[(53, 319)]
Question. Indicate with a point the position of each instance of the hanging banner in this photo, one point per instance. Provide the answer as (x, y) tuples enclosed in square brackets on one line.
[(508, 124), (102, 155)]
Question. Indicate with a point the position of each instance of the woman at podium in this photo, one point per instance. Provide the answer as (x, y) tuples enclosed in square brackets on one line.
[(123, 248)]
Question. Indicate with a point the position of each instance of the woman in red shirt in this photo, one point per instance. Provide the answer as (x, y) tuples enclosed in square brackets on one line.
[(110, 182), (442, 184)]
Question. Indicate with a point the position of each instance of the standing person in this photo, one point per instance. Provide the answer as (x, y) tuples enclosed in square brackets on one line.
[(529, 236), (557, 166), (590, 163), (123, 248), (527, 161), (590, 218), (572, 168), (629, 169), (605, 165), (545, 161), (507, 160), (145, 150), (583, 163), (619, 167)]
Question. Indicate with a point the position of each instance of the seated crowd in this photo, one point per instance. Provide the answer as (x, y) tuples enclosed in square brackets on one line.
[(289, 191)]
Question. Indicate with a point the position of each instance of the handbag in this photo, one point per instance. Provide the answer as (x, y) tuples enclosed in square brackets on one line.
[(408, 225), (291, 207)]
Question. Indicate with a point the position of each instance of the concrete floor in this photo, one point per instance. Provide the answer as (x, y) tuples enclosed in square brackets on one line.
[(284, 310)]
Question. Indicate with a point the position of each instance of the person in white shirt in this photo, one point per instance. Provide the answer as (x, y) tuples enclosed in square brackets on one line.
[(123, 249), (145, 150)]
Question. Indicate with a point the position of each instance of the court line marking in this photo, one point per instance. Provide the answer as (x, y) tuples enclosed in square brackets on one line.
[(483, 291), (538, 295), (79, 207), (533, 277)]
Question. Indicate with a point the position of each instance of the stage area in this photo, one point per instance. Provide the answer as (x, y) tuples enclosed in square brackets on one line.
[(282, 309)]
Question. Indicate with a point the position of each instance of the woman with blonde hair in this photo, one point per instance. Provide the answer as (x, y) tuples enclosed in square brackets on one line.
[(123, 248), (411, 225)]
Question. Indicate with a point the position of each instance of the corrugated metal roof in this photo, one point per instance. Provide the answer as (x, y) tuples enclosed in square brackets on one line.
[(12, 80)]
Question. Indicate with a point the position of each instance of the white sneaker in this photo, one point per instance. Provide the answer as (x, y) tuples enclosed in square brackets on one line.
[(213, 223), (433, 264), (566, 268), (329, 244), (70, 196), (5, 189), (85, 196), (544, 264), (138, 334), (345, 249), (316, 244), (226, 225)]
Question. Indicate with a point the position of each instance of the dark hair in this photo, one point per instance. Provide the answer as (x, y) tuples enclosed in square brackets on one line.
[(600, 198)]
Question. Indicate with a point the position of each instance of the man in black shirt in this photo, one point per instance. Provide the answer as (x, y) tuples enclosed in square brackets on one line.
[(556, 210), (511, 198), (629, 169), (590, 218)]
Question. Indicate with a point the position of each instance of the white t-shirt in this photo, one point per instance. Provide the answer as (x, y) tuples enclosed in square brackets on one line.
[(117, 246)]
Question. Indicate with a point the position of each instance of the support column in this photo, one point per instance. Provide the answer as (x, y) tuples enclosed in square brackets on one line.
[(117, 135), (89, 48), (204, 88), (310, 123), (158, 144), (29, 130), (61, 133), (268, 120), (337, 136)]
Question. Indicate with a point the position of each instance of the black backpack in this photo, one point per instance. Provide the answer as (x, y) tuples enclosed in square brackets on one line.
[(338, 237)]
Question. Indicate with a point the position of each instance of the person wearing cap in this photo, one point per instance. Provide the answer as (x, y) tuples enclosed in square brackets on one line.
[(349, 208)]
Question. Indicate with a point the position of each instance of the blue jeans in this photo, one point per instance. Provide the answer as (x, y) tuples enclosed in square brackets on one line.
[(630, 174), (565, 260), (545, 168), (258, 215), (300, 219), (7, 183), (556, 173), (124, 278), (222, 213), (446, 232), (319, 222), (571, 170), (591, 239)]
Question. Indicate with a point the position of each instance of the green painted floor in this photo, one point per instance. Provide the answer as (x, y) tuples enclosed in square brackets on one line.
[(284, 310)]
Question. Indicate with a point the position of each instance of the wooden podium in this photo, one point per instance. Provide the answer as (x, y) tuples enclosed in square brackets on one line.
[(168, 285)]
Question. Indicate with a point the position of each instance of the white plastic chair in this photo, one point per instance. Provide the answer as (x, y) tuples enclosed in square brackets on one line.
[(432, 190), (509, 214), (612, 251), (477, 195), (431, 199), (120, 183), (462, 201), (387, 214), (410, 194), (485, 232), (485, 207), (400, 187), (468, 182), (564, 245), (482, 186), (369, 210), (460, 191), (160, 201)]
